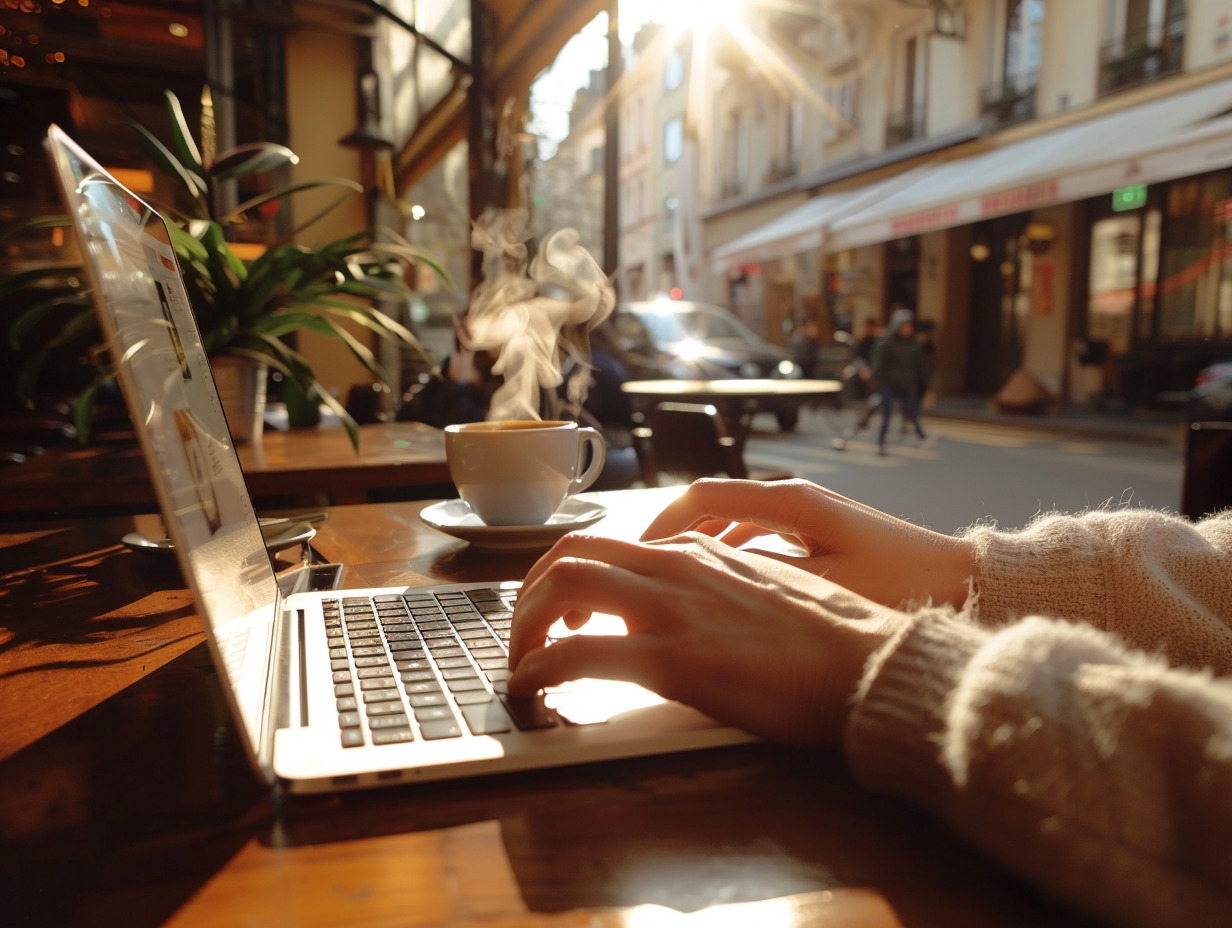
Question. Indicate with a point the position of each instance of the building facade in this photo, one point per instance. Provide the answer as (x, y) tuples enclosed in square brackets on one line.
[(1049, 183)]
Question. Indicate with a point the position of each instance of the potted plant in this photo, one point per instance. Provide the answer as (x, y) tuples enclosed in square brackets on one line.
[(244, 308)]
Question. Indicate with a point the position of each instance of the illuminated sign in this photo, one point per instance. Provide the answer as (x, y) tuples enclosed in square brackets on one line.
[(1127, 198)]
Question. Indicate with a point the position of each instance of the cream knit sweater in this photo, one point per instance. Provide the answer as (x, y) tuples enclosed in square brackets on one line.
[(1074, 720)]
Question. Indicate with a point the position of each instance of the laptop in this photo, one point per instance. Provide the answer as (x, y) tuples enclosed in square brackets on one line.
[(329, 689)]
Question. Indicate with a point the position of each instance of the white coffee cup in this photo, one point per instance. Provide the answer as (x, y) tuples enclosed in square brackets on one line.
[(520, 472)]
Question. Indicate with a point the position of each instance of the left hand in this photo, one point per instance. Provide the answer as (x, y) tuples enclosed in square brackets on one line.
[(749, 640)]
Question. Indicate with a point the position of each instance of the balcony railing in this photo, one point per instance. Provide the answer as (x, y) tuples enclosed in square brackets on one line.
[(1142, 57), (1007, 103), (904, 126)]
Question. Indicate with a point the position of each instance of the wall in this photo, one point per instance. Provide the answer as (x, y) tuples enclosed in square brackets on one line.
[(1208, 33), (1069, 49), (1046, 332), (321, 109)]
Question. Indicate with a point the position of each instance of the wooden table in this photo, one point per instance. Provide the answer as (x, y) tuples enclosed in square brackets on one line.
[(298, 467), (125, 798), (737, 400)]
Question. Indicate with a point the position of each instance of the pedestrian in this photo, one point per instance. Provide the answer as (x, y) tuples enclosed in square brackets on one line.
[(858, 379), (1060, 696), (899, 367), (806, 347)]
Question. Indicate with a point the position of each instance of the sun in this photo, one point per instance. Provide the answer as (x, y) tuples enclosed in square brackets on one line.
[(680, 16)]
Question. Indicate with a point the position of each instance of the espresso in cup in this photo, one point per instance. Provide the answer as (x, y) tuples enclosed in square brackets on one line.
[(519, 472)]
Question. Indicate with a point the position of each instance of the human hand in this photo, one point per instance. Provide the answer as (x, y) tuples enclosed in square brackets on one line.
[(882, 558), (749, 640)]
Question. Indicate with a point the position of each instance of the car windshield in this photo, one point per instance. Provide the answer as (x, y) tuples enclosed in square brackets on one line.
[(693, 322)]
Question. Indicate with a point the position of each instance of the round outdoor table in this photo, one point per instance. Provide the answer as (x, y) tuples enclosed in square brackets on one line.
[(737, 400)]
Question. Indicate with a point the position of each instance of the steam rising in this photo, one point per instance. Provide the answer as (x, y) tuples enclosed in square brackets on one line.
[(523, 313)]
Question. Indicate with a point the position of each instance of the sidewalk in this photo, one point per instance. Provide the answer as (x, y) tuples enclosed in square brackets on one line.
[(1164, 426)]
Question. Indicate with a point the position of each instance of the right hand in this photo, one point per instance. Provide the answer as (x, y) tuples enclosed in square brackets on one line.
[(875, 555)]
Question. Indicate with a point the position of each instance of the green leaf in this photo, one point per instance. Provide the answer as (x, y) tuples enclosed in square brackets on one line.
[(83, 408), (237, 214), (27, 377), (190, 155), (38, 222), (32, 315), (171, 166), (251, 159)]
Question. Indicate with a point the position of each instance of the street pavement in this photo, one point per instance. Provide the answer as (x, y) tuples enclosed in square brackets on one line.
[(978, 466)]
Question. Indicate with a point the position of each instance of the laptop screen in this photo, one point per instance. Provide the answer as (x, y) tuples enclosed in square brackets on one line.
[(163, 370)]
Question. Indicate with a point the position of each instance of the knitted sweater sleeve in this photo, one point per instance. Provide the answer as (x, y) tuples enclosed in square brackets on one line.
[(1161, 583), (1101, 774), (1035, 724)]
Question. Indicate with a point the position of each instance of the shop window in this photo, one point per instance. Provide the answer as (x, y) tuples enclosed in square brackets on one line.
[(1195, 290), (1114, 280)]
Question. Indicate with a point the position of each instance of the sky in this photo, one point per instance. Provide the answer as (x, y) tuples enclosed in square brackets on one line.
[(552, 93)]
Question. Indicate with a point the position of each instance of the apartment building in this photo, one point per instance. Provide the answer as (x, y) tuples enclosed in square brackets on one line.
[(1049, 183)]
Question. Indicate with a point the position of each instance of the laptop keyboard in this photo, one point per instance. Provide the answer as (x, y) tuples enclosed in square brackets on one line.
[(425, 666)]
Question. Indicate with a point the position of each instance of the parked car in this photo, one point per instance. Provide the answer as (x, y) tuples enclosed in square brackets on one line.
[(1211, 399), (690, 340)]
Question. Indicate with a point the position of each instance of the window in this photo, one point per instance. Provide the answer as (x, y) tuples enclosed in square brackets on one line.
[(673, 140), (673, 70), (1024, 22)]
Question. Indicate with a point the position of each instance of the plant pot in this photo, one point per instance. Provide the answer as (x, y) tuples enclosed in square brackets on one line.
[(241, 387)]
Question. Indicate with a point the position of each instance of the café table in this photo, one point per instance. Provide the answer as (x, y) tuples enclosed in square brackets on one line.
[(738, 400), (294, 467), (126, 799)]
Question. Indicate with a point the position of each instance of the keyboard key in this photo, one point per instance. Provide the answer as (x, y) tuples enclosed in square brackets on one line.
[(529, 713), (466, 685), (418, 676), (388, 721), (458, 673), (380, 683), (423, 686), (382, 696), (445, 728), (433, 713), (378, 709), (344, 689), (493, 663), (472, 697), (420, 700), (393, 736), (486, 719), (497, 674), (453, 662), (339, 664), (352, 737), (372, 673), (348, 719), (347, 703), (375, 661), (342, 676)]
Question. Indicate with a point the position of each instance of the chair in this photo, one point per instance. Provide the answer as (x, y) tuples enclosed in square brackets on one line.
[(680, 442), (1207, 483)]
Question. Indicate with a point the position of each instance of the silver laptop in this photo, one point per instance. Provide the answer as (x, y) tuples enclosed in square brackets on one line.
[(329, 689)]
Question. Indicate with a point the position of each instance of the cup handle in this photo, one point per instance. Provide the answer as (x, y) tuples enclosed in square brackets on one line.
[(589, 437)]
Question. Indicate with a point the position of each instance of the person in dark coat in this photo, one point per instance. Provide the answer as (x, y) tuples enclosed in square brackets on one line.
[(900, 367)]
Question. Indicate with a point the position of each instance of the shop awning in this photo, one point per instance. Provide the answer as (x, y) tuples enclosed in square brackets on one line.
[(1175, 136), (802, 228)]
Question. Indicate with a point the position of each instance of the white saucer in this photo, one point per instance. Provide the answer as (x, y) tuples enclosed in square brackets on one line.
[(454, 517)]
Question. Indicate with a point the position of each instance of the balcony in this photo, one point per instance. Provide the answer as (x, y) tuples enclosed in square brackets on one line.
[(904, 126), (1141, 57), (1008, 103)]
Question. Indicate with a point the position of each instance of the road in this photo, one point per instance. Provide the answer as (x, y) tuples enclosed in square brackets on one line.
[(968, 471)]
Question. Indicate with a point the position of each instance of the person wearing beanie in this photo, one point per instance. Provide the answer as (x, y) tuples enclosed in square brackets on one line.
[(1060, 696), (900, 366)]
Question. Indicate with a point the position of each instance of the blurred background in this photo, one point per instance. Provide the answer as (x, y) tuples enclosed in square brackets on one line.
[(1048, 185)]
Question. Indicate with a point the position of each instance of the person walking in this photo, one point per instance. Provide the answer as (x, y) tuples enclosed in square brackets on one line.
[(900, 366)]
